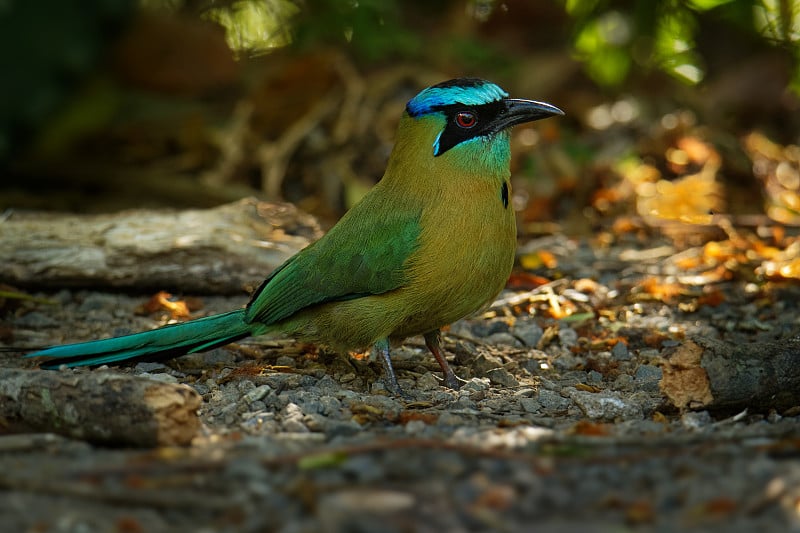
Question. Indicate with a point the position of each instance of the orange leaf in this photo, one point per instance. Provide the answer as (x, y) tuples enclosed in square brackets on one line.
[(163, 301)]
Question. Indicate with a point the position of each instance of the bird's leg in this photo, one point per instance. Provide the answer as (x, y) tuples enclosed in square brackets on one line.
[(432, 339), (390, 378)]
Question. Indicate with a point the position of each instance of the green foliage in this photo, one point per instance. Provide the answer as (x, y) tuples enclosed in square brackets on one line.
[(612, 39), (255, 26), (374, 29)]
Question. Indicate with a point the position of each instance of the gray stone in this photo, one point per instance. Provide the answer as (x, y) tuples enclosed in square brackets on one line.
[(528, 332), (530, 405), (620, 352), (502, 377), (593, 376), (605, 405), (293, 419), (647, 377), (485, 362), (475, 384), (257, 394), (503, 339), (146, 366), (427, 381), (552, 401), (568, 337)]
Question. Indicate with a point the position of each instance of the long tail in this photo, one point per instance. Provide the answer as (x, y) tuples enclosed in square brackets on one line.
[(170, 341)]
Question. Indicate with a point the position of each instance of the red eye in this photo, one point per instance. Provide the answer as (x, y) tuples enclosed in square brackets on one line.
[(465, 119)]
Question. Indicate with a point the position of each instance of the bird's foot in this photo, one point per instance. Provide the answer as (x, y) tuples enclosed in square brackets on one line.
[(390, 378), (452, 381), (432, 339), (395, 389)]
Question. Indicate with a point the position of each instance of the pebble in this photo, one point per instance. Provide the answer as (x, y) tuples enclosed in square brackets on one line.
[(620, 352), (162, 377), (256, 393), (593, 376), (503, 339), (476, 384), (553, 401), (485, 362), (530, 405), (528, 332), (427, 382), (293, 419), (568, 337), (605, 405), (696, 419), (146, 366), (285, 360), (647, 377), (502, 377)]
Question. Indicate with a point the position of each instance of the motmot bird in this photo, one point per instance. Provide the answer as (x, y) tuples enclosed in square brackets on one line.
[(432, 242)]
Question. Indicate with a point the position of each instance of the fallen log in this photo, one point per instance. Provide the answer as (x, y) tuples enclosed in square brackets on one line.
[(99, 407), (224, 250), (709, 374)]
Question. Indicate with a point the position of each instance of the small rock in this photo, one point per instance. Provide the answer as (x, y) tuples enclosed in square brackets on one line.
[(415, 426), (427, 381), (328, 385), (530, 405), (257, 406), (485, 362), (696, 419), (593, 376), (567, 361), (145, 366), (342, 428), (528, 332), (36, 320), (484, 328), (285, 360), (502, 377), (162, 377), (605, 405), (475, 385), (448, 419), (464, 352), (503, 339), (293, 419), (552, 401), (624, 383), (257, 393), (568, 337), (329, 405), (245, 385), (647, 377), (620, 352)]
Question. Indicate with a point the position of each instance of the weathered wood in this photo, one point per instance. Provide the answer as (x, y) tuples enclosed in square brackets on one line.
[(710, 374), (223, 250), (99, 407)]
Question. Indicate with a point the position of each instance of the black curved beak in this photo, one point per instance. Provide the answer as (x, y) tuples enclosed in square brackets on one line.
[(518, 111)]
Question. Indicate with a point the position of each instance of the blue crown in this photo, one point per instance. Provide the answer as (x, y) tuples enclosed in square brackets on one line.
[(465, 91)]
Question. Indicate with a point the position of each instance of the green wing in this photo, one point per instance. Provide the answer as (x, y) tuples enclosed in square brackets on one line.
[(357, 257)]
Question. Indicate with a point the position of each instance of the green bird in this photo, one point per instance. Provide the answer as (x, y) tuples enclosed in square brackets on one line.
[(432, 242)]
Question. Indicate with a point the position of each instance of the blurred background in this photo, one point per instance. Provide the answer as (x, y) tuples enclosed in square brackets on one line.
[(677, 110)]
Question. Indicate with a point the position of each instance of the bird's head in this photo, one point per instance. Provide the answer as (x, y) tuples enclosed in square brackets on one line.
[(465, 123)]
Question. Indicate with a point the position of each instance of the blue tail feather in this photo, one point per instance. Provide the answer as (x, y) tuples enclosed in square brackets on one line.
[(170, 341)]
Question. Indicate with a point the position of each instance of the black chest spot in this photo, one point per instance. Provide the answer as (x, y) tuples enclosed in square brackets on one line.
[(504, 194)]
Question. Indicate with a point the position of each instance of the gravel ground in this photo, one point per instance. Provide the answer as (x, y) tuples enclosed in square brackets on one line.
[(560, 427)]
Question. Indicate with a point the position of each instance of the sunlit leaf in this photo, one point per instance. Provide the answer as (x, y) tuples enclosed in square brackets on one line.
[(255, 26), (705, 5)]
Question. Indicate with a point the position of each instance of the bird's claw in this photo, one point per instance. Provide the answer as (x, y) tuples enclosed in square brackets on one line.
[(452, 381)]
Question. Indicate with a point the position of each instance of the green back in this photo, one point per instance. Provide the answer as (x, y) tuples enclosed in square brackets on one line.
[(364, 254)]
